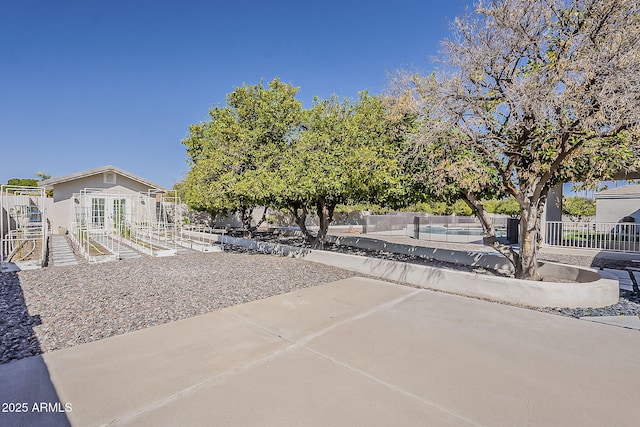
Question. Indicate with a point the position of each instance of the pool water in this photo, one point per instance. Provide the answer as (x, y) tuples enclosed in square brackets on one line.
[(429, 229)]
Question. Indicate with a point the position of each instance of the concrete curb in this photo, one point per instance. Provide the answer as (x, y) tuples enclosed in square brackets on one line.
[(589, 288)]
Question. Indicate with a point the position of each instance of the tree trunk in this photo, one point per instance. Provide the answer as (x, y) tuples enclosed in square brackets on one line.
[(529, 243), (300, 217), (262, 219), (325, 216), (246, 217), (248, 229), (489, 234)]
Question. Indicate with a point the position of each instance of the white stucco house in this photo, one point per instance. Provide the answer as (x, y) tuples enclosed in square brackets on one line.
[(617, 203), (105, 180)]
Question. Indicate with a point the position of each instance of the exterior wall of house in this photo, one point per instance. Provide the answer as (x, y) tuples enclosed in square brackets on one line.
[(65, 190), (613, 210), (58, 213)]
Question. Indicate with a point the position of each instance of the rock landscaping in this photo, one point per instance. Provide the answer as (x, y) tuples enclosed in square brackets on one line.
[(57, 307)]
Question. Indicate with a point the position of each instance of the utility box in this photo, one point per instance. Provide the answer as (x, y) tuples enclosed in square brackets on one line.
[(513, 230)]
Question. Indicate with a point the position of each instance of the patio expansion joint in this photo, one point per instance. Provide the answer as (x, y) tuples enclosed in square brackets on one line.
[(302, 344), (391, 386), (186, 392)]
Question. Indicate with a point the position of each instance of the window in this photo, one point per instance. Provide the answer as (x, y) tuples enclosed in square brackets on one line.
[(119, 211), (109, 178), (97, 212)]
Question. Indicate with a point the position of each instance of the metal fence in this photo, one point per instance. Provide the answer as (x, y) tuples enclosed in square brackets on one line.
[(618, 237), (609, 236), (23, 227), (444, 228)]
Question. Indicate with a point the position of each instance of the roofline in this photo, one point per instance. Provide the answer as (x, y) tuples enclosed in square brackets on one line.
[(624, 192), (48, 183), (618, 196)]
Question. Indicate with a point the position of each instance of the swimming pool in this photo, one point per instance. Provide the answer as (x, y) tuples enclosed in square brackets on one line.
[(458, 231)]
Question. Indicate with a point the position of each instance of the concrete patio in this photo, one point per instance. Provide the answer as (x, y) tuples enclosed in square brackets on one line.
[(353, 352)]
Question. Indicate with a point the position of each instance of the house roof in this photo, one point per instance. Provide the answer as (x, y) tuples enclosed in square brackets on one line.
[(624, 192), (48, 183)]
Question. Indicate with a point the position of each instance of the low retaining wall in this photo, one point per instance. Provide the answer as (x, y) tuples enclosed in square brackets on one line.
[(269, 248), (591, 289), (594, 291), (490, 260)]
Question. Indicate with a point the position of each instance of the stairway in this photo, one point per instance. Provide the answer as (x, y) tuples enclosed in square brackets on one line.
[(61, 251)]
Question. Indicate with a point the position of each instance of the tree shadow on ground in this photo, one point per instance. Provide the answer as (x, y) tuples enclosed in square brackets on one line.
[(27, 395)]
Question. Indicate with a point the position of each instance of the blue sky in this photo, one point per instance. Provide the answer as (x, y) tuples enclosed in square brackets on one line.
[(85, 83)]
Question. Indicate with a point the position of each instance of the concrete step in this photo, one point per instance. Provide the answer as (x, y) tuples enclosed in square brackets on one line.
[(184, 251), (127, 253), (61, 251)]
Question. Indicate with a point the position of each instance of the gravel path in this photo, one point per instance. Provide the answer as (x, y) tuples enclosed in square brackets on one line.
[(52, 308)]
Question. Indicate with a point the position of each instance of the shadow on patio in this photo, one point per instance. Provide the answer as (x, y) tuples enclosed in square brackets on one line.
[(28, 397)]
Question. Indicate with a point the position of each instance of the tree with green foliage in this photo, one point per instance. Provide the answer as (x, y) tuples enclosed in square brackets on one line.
[(262, 149), (436, 207), (534, 93), (506, 206), (23, 182), (461, 208), (31, 182), (346, 152), (43, 175), (579, 208), (236, 154)]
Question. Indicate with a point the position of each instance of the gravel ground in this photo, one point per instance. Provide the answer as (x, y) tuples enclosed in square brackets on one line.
[(52, 308)]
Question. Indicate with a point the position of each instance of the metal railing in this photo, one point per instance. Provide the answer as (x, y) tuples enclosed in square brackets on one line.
[(23, 226), (149, 222), (96, 219), (609, 236)]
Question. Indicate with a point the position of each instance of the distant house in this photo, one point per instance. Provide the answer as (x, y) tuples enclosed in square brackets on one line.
[(615, 204), (106, 179)]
